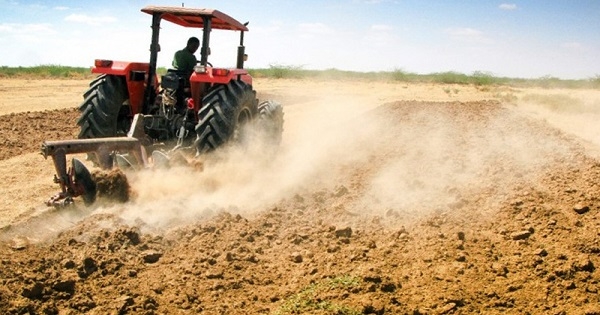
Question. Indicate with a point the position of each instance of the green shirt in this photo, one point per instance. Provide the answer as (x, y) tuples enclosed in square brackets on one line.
[(184, 60)]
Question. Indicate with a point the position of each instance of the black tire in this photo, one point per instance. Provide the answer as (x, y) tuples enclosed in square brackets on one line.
[(270, 121), (102, 110), (225, 111)]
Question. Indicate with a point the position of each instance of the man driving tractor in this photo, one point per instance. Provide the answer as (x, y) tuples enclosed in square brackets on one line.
[(184, 60)]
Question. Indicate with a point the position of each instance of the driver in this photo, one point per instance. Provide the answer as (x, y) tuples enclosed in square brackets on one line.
[(184, 60)]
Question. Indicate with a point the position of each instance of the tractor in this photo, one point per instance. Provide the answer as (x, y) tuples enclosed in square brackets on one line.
[(131, 118)]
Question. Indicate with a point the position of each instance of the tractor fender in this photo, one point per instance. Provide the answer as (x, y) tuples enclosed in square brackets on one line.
[(221, 76), (215, 76), (135, 76)]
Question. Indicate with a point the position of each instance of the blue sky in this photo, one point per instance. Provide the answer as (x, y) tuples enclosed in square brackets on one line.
[(527, 39)]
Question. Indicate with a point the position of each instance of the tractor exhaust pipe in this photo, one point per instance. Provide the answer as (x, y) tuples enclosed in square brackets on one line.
[(241, 57), (241, 53)]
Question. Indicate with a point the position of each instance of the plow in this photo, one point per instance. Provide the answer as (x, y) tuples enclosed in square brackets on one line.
[(131, 118)]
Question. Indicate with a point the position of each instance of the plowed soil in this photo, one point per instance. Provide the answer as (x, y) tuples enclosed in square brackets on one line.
[(384, 198)]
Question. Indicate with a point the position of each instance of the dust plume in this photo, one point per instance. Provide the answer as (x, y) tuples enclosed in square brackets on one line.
[(319, 137), (406, 158), (450, 155), (411, 158), (573, 111)]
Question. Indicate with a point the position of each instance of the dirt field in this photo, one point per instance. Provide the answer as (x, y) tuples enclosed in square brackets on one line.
[(384, 198)]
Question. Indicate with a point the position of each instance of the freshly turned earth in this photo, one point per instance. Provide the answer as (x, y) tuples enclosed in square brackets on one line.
[(384, 198)]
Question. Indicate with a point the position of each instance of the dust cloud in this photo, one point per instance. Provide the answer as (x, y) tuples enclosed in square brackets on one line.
[(448, 155), (408, 158), (411, 158), (576, 112), (319, 138)]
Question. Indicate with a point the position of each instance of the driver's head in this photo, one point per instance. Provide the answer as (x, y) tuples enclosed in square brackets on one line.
[(192, 44)]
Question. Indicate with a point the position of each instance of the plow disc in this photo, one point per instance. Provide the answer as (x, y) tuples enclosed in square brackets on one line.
[(76, 181), (84, 182)]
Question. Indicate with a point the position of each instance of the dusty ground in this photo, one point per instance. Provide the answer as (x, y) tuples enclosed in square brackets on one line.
[(384, 198)]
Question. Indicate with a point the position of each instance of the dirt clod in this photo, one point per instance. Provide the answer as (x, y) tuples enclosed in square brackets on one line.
[(112, 185), (520, 235), (344, 232), (581, 209), (296, 257), (151, 256)]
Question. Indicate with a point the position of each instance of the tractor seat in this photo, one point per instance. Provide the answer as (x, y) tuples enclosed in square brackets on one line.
[(180, 73), (175, 78)]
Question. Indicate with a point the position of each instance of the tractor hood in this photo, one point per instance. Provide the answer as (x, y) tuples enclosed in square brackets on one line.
[(190, 17)]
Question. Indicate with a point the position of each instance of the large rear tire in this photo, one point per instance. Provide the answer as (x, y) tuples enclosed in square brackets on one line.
[(102, 110), (225, 111)]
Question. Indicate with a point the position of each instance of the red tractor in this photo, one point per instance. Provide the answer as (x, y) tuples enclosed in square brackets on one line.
[(128, 113)]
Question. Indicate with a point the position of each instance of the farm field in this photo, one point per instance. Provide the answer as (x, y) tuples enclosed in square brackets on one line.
[(384, 198)]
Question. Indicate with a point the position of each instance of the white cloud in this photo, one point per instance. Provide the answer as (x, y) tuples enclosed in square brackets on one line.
[(316, 28), (381, 36), (467, 34), (463, 32), (310, 30), (381, 27), (7, 28), (572, 45), (86, 19), (375, 1), (507, 6), (36, 7), (269, 28), (15, 28)]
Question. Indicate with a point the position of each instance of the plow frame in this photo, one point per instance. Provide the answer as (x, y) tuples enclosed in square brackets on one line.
[(103, 151)]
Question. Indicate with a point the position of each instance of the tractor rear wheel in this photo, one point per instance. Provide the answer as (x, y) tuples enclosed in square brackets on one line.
[(225, 111), (102, 110), (270, 121)]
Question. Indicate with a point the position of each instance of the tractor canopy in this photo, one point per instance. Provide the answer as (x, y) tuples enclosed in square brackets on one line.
[(190, 17)]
